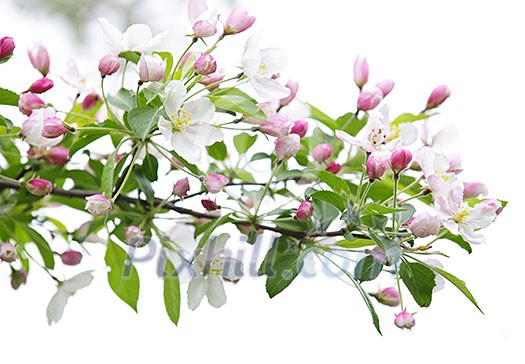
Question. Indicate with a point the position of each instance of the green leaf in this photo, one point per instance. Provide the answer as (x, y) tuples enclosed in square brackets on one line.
[(167, 56), (84, 140), (8, 97), (150, 165), (142, 120), (108, 174), (355, 244), (332, 198), (408, 118), (324, 213), (235, 100), (153, 90), (171, 292), (191, 167), (215, 224), (123, 277), (6, 122), (350, 123), (337, 184), (292, 224), (458, 240), (243, 142), (124, 99), (390, 247), (317, 114), (144, 183), (41, 244), (131, 56), (377, 209), (420, 281), (367, 269), (218, 151)]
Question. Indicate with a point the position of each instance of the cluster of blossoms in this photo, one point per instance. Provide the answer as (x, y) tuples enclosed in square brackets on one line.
[(363, 185)]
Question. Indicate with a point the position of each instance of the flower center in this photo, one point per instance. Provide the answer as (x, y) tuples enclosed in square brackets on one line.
[(377, 136), (262, 69), (462, 215), (213, 268), (182, 121)]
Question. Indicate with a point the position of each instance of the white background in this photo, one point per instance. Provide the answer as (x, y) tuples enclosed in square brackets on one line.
[(474, 47)]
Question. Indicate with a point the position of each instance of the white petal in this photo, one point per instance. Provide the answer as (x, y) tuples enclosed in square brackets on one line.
[(165, 128), (253, 41), (137, 37), (112, 35), (275, 59), (251, 59), (481, 216), (175, 92), (215, 292), (445, 136), (204, 134), (56, 306), (268, 88), (196, 290), (200, 110), (195, 9), (182, 236), (470, 235), (77, 282), (451, 226), (184, 144), (408, 133), (156, 40)]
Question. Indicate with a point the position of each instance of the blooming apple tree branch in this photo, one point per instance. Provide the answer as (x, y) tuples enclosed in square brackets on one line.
[(178, 137)]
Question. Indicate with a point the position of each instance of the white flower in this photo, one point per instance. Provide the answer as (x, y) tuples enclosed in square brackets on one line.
[(210, 270), (261, 65), (74, 78), (440, 282), (436, 169), (461, 219), (187, 127), (203, 20), (441, 139), (58, 302), (32, 128), (137, 37)]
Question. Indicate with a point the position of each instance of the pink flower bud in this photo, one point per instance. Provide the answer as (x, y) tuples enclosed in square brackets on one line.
[(437, 97), (474, 189), (385, 87), (238, 21), (300, 127), (58, 156), (333, 167), (375, 168), (108, 65), (293, 86), (134, 236), (18, 277), (39, 58), (495, 204), (404, 320), (204, 28), (360, 71), (28, 102), (209, 205), (39, 187), (215, 182), (181, 187), (7, 46), (388, 296), (71, 257), (8, 252), (90, 101), (98, 205), (304, 211), (42, 85), (277, 125), (247, 202), (378, 255), (322, 152), (151, 68), (205, 64), (212, 79), (424, 225), (368, 100), (400, 159), (53, 128), (286, 146), (454, 161)]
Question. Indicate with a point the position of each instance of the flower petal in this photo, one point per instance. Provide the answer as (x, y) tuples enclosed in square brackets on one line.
[(165, 128), (204, 134), (195, 9), (56, 306), (251, 59), (137, 37), (215, 292), (112, 35), (196, 289), (184, 144), (175, 92), (275, 59), (268, 88), (77, 282), (481, 216), (200, 110)]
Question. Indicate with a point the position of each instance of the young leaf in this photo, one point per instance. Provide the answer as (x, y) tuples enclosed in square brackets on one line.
[(350, 123), (408, 118), (420, 281), (123, 277), (367, 269), (458, 240), (8, 97), (6, 122), (235, 100), (332, 198), (216, 223), (218, 151), (108, 174), (243, 142), (458, 283), (130, 56), (390, 247), (354, 244), (124, 99), (171, 292), (41, 244), (150, 165), (317, 114), (337, 184), (142, 120)]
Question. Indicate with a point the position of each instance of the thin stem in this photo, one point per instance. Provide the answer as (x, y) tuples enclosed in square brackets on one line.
[(78, 115), (109, 130), (123, 74), (106, 99), (128, 174), (213, 85), (212, 48), (159, 149), (12, 180), (406, 188), (266, 187), (193, 41), (363, 170), (396, 180), (399, 290)]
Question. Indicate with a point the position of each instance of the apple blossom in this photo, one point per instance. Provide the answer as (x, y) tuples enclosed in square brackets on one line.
[(304, 211), (212, 81), (58, 156), (300, 127), (277, 125), (66, 289), (181, 187), (424, 225), (294, 87), (151, 68), (333, 167), (98, 205), (474, 189), (387, 296), (204, 21), (39, 58), (238, 21), (209, 205), (108, 65), (39, 187), (385, 87), (7, 46), (74, 78), (71, 257), (215, 182), (29, 102), (400, 159), (375, 167), (437, 97), (41, 85), (53, 127), (361, 71), (137, 37), (205, 64), (7, 252), (134, 236), (405, 320), (187, 127), (368, 100), (287, 146)]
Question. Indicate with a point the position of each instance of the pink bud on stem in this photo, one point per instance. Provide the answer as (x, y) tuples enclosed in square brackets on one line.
[(39, 187)]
